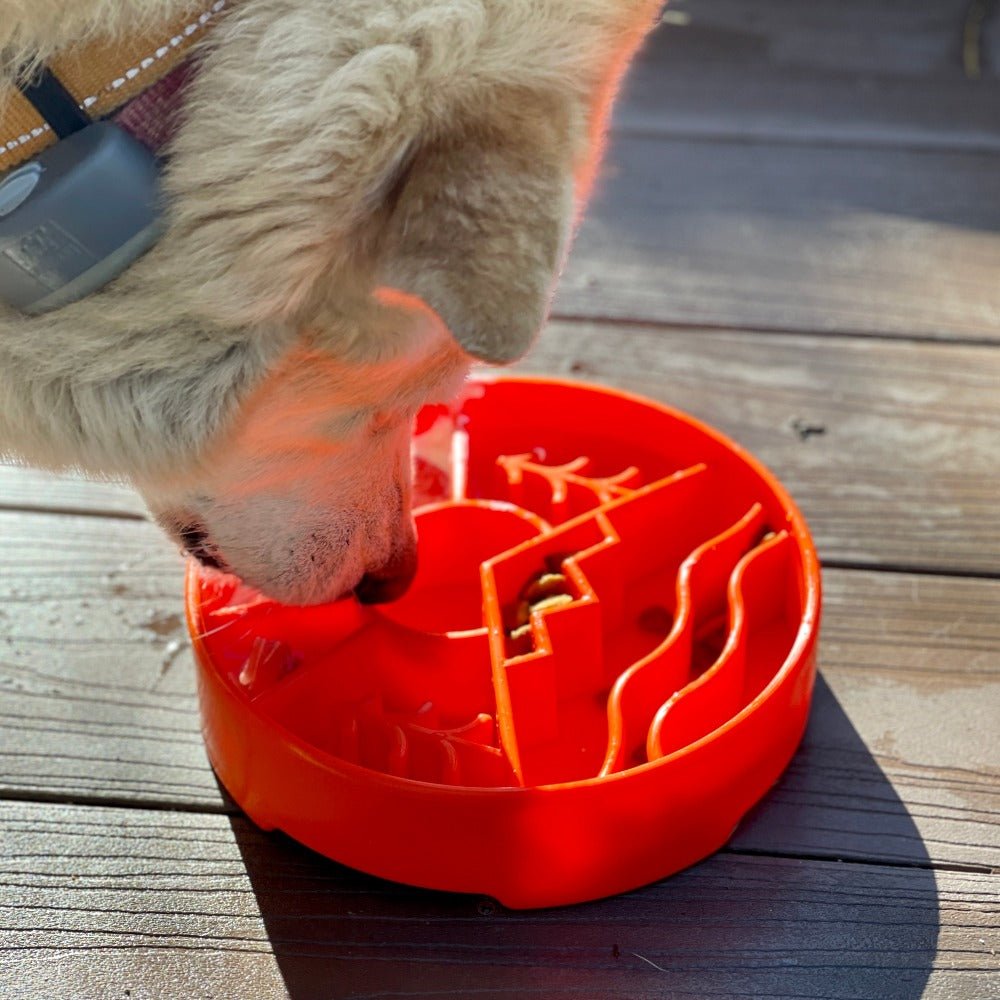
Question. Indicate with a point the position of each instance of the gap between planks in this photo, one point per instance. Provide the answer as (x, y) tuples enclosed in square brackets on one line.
[(223, 809), (568, 317)]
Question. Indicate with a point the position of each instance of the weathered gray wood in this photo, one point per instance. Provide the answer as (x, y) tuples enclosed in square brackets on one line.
[(853, 72), (97, 902), (906, 470), (98, 698), (24, 488), (891, 450), (98, 689), (901, 760), (776, 165), (777, 236)]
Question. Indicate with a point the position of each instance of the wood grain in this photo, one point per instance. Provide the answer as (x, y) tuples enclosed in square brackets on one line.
[(891, 450), (99, 701), (743, 234), (96, 671), (96, 900), (854, 73), (900, 760), (23, 488)]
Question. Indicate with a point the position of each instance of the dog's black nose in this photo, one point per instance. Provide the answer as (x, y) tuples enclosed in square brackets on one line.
[(390, 582)]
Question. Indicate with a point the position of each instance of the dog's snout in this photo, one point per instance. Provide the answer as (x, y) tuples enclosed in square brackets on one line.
[(391, 581)]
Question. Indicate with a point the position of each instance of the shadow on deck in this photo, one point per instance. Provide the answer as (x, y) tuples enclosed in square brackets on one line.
[(740, 923)]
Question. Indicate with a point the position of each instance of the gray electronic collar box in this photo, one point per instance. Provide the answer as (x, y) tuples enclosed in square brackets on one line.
[(75, 217)]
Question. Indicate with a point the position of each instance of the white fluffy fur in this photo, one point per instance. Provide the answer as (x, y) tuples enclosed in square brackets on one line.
[(328, 148)]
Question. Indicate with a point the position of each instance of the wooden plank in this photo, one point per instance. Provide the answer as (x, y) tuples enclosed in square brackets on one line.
[(891, 450), (100, 902), (897, 763), (99, 701), (741, 234), (847, 73), (99, 695), (23, 488), (905, 472)]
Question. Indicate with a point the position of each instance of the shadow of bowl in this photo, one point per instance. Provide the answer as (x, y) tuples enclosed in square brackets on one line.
[(775, 914)]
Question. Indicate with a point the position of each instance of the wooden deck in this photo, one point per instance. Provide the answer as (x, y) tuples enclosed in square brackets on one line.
[(797, 238)]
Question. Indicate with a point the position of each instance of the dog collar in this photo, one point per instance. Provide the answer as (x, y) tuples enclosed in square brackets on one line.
[(80, 193), (136, 80)]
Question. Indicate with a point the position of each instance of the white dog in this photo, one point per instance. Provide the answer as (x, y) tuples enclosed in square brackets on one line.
[(364, 196)]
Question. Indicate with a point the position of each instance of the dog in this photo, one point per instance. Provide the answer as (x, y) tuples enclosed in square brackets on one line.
[(365, 197)]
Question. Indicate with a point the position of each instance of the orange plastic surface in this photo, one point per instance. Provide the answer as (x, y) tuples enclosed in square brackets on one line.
[(620, 740)]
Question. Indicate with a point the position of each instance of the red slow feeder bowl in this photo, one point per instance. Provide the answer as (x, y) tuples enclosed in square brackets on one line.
[(469, 739)]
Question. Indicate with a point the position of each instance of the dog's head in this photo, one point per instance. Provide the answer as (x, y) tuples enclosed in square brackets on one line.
[(307, 495), (246, 374)]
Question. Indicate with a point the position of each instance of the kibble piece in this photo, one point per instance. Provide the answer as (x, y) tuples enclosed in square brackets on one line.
[(519, 635), (521, 632), (543, 592), (544, 585), (555, 601)]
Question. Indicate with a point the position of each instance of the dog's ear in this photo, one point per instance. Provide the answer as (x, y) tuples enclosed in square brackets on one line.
[(477, 227)]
